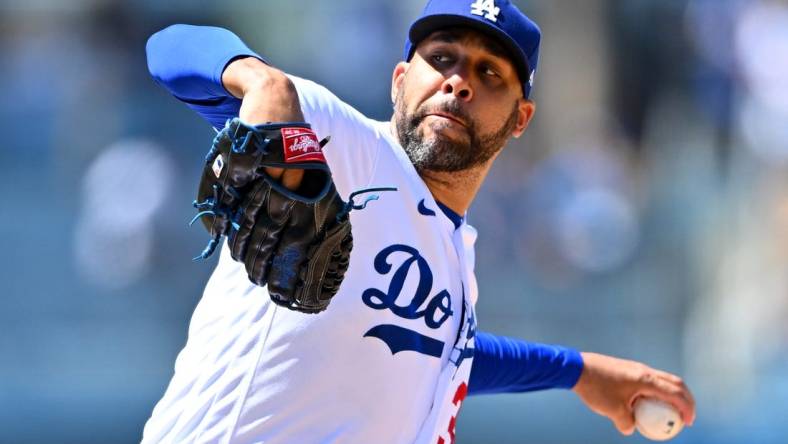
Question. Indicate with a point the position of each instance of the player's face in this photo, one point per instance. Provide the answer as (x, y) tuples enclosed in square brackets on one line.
[(458, 101)]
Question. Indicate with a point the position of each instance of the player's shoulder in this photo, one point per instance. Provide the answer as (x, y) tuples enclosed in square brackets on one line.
[(315, 94), (320, 104)]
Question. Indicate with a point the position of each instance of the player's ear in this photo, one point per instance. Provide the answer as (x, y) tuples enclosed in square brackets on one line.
[(397, 77), (525, 112)]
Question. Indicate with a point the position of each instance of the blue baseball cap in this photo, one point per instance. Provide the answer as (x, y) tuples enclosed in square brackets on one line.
[(500, 19)]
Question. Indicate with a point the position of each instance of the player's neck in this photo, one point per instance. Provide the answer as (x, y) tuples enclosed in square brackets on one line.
[(456, 190)]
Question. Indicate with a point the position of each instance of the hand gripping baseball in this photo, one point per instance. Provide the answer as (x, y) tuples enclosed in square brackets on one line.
[(297, 242)]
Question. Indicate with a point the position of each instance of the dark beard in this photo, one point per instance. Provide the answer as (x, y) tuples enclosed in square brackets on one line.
[(442, 154)]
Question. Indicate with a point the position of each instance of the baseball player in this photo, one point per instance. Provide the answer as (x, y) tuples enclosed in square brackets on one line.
[(396, 351)]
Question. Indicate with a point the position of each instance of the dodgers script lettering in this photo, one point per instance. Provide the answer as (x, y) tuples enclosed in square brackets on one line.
[(438, 308)]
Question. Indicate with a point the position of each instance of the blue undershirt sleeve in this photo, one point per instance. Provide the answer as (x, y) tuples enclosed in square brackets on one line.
[(189, 61), (506, 365)]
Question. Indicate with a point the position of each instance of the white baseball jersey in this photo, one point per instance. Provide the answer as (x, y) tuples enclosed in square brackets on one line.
[(387, 362)]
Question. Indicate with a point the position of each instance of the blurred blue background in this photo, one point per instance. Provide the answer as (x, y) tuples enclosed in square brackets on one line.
[(644, 214)]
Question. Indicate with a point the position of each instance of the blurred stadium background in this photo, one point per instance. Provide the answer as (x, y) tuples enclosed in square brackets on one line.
[(644, 214)]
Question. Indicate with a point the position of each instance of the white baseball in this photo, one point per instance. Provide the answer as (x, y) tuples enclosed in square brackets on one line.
[(657, 420)]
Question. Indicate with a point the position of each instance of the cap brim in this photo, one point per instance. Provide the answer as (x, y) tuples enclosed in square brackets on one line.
[(427, 25)]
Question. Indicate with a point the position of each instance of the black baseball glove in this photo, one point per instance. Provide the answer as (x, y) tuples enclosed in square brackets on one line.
[(298, 242)]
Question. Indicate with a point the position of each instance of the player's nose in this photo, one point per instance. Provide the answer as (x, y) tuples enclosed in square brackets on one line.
[(457, 84)]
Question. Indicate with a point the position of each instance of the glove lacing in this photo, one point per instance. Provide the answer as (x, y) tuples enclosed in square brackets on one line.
[(213, 207)]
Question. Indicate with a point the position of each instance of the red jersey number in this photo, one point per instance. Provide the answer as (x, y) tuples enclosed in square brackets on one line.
[(459, 396)]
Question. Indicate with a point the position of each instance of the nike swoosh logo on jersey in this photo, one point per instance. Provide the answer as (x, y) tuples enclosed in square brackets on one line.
[(402, 339), (424, 210)]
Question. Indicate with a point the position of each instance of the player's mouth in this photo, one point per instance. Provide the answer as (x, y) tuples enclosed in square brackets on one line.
[(448, 116)]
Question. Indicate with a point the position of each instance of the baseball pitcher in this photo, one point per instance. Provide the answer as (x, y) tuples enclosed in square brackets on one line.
[(341, 309)]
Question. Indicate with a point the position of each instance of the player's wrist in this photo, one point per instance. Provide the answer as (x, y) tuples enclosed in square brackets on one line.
[(580, 379), (587, 379)]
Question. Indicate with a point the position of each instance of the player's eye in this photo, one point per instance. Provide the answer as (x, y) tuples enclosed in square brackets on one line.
[(489, 71), (441, 59)]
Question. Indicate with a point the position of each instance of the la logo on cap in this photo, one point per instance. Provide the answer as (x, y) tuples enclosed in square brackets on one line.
[(486, 9)]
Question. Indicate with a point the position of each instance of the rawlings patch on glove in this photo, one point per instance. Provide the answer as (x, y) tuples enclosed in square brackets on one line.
[(298, 242)]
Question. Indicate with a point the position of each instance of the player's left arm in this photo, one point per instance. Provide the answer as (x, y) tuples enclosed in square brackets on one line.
[(508, 365), (607, 385)]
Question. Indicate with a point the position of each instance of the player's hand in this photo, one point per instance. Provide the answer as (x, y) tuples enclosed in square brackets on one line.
[(290, 178), (609, 386), (267, 95)]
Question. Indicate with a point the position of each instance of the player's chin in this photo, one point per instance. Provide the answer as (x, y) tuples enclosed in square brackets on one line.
[(446, 130)]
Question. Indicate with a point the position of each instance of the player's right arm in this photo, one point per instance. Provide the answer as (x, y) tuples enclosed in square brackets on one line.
[(267, 95), (188, 61), (214, 72), (211, 70), (265, 90)]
